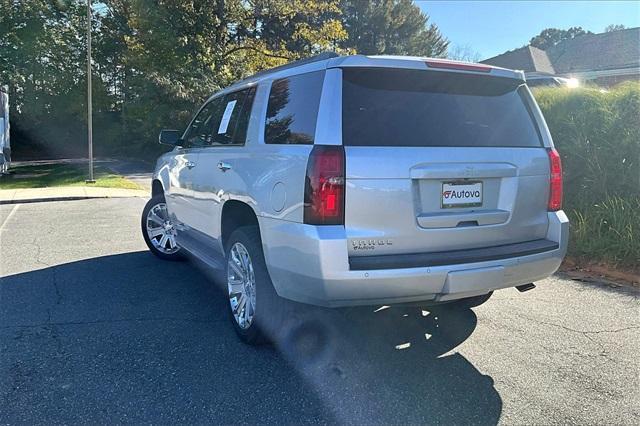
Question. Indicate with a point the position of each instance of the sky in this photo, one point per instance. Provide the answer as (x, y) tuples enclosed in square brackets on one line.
[(493, 27)]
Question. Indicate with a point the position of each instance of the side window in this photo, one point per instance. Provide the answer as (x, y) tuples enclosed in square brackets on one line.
[(232, 118), (292, 110), (199, 132)]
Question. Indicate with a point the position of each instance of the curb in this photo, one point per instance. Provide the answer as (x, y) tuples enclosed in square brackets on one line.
[(70, 198)]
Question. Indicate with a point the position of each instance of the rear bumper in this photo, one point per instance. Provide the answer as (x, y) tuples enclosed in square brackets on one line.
[(453, 257), (310, 264)]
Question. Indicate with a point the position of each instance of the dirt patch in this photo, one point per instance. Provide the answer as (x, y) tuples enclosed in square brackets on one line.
[(586, 271)]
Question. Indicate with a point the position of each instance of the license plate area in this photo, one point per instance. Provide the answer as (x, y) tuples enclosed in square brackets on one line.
[(460, 194)]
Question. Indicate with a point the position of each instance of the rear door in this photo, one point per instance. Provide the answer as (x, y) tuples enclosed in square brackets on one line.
[(221, 175), (439, 161)]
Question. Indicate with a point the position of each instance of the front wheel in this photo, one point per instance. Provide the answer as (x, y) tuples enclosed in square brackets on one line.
[(158, 229)]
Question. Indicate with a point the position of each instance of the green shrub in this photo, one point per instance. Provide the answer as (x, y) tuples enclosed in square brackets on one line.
[(597, 133)]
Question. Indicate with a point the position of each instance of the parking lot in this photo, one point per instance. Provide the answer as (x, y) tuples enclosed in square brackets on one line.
[(94, 329)]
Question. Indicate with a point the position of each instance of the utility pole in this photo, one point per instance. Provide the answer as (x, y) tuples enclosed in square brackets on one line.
[(89, 110)]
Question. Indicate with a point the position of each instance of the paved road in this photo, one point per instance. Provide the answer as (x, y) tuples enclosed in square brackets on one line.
[(137, 171), (93, 329)]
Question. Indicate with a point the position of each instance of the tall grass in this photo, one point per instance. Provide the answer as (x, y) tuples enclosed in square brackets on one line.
[(608, 231), (597, 133)]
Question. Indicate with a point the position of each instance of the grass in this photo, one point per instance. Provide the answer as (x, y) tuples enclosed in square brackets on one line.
[(49, 175), (598, 135), (608, 231)]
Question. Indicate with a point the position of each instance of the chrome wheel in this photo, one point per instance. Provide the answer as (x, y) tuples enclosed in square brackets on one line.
[(241, 283), (161, 230)]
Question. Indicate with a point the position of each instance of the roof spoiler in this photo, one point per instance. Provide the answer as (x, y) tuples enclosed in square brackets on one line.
[(418, 62)]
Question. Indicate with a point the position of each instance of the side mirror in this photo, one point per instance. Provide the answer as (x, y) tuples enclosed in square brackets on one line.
[(169, 137)]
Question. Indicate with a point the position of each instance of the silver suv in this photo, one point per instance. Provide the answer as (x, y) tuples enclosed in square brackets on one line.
[(362, 180)]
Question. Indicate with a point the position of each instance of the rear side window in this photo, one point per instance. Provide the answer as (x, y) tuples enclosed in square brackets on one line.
[(292, 110), (392, 107)]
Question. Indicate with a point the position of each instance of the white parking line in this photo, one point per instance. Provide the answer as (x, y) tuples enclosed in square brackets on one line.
[(11, 213)]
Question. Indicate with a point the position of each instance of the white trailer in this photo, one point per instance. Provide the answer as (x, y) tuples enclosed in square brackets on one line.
[(5, 145)]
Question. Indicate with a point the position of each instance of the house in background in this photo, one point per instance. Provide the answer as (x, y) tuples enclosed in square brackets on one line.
[(604, 59)]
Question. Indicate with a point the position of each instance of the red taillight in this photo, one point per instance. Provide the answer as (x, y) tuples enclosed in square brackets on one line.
[(555, 181), (324, 186)]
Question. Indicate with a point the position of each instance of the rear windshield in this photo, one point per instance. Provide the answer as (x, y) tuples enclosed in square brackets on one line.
[(392, 107)]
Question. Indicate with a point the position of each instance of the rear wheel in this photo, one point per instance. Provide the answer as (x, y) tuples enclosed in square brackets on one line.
[(256, 311), (158, 229)]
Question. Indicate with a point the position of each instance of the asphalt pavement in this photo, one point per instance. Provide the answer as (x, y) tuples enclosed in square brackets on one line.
[(94, 329), (137, 171)]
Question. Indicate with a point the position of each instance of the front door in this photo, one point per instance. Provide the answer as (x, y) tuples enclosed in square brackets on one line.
[(183, 167), (179, 194)]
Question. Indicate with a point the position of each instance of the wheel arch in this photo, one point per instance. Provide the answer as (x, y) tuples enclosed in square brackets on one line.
[(160, 182), (234, 215), (156, 187)]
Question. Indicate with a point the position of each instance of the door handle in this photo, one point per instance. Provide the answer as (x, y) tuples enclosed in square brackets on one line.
[(190, 164), (224, 166)]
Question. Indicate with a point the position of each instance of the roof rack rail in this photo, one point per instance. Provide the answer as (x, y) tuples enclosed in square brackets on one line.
[(319, 57)]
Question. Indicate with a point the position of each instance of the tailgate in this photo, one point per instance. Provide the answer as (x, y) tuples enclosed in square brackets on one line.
[(405, 208)]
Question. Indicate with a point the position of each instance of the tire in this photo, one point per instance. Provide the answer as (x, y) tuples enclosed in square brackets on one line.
[(469, 302), (255, 309), (158, 230)]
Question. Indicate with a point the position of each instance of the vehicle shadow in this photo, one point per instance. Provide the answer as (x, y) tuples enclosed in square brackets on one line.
[(129, 338), (385, 365)]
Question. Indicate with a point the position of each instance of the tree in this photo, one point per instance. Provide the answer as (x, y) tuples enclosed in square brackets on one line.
[(463, 53), (176, 54), (156, 61), (390, 27), (614, 27), (551, 36), (43, 60)]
